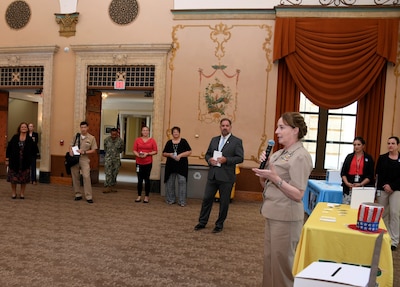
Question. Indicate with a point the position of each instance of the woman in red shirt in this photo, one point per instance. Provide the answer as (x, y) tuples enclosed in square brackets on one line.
[(357, 169), (144, 148)]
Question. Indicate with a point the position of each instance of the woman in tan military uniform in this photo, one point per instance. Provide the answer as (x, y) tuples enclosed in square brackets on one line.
[(284, 180)]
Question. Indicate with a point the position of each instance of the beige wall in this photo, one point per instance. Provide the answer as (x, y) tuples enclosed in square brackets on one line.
[(239, 43), (391, 114), (244, 48), (133, 131), (21, 111)]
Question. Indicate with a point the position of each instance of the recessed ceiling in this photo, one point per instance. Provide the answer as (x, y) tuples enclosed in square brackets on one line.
[(26, 95), (125, 94), (114, 97)]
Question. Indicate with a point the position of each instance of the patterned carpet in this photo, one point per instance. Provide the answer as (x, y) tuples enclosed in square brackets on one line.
[(48, 239)]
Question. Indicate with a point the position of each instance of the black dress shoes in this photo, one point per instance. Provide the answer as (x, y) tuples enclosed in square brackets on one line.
[(89, 201), (199, 226), (217, 229), (78, 198)]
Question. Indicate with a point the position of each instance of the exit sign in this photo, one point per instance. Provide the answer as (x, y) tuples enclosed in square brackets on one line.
[(119, 85)]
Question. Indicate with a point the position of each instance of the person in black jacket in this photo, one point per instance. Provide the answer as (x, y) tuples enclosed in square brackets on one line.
[(223, 154), (388, 186), (176, 151), (35, 137), (20, 151), (357, 169)]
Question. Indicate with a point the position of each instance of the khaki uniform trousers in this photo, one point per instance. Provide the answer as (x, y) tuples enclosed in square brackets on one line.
[(391, 214), (281, 238), (84, 167)]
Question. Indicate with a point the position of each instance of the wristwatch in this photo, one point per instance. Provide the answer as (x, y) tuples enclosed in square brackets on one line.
[(279, 183)]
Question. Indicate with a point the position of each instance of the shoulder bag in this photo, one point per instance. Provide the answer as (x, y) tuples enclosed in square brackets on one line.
[(70, 161)]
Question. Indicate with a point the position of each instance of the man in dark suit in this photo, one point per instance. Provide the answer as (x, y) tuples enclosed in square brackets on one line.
[(224, 152)]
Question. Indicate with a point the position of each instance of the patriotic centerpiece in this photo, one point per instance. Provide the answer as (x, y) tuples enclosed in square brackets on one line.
[(369, 215)]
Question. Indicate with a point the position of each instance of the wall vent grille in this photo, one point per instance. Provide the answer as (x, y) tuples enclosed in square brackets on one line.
[(134, 76)]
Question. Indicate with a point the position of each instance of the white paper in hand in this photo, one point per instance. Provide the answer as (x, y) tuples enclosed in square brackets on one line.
[(75, 150), (216, 155)]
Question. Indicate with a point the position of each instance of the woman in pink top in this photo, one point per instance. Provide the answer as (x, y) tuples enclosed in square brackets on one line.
[(144, 148)]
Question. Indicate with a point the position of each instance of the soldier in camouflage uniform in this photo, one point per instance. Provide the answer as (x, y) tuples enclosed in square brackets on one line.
[(113, 146)]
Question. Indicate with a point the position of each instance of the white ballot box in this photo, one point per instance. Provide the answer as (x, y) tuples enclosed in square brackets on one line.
[(361, 195), (329, 274)]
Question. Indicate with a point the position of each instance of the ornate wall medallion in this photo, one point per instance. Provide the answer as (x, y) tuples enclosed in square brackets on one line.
[(217, 97), (220, 92), (123, 12), (18, 14)]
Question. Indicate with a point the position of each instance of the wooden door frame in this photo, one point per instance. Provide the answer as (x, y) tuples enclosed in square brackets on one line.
[(93, 115), (4, 96)]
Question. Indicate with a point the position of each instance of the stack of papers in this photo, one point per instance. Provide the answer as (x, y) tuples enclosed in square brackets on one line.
[(328, 218)]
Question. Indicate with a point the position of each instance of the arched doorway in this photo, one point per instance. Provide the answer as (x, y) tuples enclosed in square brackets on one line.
[(42, 56), (124, 55)]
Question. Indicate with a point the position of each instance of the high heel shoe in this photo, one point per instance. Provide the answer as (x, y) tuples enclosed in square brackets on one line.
[(14, 196), (138, 199), (21, 197)]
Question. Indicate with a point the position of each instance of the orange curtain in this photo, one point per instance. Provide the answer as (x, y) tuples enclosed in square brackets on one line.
[(286, 87), (370, 116), (335, 62), (288, 99)]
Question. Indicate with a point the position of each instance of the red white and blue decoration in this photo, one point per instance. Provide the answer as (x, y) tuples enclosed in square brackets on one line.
[(369, 215)]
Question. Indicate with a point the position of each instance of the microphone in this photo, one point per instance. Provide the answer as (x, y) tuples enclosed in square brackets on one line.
[(271, 143)]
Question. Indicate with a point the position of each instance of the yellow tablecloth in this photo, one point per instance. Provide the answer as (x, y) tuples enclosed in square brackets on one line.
[(335, 241)]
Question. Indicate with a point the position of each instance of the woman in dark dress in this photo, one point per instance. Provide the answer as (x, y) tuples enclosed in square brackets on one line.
[(176, 151), (20, 151)]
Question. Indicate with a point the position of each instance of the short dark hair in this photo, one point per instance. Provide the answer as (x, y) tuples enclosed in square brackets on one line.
[(395, 138), (225, 119), (114, 130), (176, 128), (84, 123), (360, 139)]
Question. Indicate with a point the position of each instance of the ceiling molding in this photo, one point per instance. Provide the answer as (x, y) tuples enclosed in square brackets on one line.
[(338, 12)]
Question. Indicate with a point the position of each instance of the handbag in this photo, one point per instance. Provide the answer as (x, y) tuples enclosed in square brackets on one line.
[(70, 161)]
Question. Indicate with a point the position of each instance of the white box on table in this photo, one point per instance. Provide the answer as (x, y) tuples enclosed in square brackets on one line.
[(333, 176), (361, 195), (329, 274)]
